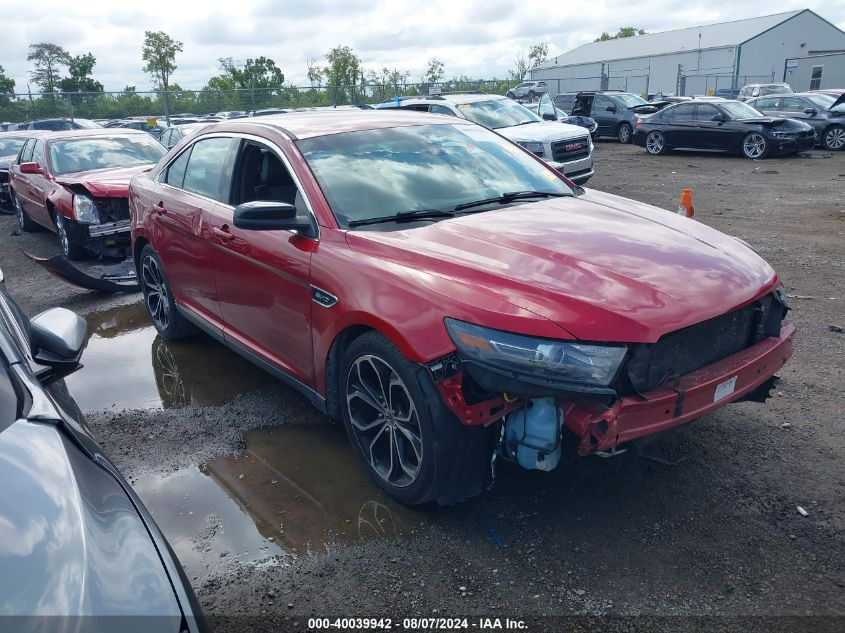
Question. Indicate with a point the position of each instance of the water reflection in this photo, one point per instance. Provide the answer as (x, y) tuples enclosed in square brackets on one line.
[(294, 490), (127, 364)]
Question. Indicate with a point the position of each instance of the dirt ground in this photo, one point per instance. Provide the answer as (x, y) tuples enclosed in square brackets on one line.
[(705, 536)]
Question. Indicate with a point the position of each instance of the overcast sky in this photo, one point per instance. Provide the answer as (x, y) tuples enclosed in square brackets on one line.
[(478, 38)]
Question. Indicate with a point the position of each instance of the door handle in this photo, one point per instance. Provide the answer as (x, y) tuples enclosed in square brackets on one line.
[(223, 233), (160, 210)]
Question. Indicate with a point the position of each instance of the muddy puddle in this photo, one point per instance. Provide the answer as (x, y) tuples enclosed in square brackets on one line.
[(294, 490), (127, 365)]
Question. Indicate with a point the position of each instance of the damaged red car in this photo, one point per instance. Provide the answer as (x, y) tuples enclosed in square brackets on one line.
[(76, 183), (448, 295)]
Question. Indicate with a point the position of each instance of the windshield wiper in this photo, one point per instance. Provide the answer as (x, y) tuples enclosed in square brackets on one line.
[(404, 216), (510, 197)]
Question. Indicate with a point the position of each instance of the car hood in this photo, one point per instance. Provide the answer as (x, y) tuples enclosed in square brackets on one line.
[(6, 161), (603, 267), (71, 540), (105, 183), (772, 121), (545, 131)]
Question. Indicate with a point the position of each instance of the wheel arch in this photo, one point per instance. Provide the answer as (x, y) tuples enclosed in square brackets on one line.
[(138, 246)]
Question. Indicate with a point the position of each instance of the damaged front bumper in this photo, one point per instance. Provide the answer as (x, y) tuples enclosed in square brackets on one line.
[(603, 428)]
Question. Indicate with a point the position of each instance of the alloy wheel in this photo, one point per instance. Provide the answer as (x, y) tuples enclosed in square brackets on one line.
[(624, 134), (384, 420), (155, 292), (754, 145), (654, 143), (834, 138)]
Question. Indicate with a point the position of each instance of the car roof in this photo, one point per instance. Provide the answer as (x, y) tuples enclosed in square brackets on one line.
[(301, 125), (24, 133), (93, 133)]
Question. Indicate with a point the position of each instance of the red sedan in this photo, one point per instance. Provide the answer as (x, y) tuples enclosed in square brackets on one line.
[(76, 183), (447, 295)]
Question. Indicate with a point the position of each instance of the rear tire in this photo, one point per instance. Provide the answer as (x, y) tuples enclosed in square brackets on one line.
[(66, 230), (833, 138), (755, 146), (409, 443), (624, 133), (655, 143), (159, 298), (531, 95), (26, 225)]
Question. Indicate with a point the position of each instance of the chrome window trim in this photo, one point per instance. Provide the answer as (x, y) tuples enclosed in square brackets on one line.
[(251, 137)]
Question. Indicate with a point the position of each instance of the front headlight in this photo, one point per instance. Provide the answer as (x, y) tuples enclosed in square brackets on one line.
[(84, 210), (548, 359), (535, 147)]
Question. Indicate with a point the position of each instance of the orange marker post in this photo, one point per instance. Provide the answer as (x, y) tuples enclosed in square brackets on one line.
[(685, 207)]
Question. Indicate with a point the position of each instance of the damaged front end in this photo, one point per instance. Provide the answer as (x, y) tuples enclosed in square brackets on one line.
[(606, 395), (101, 224)]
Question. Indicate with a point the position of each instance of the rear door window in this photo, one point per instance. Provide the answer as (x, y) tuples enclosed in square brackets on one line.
[(206, 173), (766, 103), (794, 104), (684, 112), (705, 112), (565, 102)]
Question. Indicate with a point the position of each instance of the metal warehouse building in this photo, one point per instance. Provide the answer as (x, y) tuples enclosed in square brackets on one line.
[(709, 59)]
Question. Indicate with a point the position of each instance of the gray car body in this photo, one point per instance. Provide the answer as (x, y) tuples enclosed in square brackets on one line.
[(794, 106), (78, 549), (595, 104)]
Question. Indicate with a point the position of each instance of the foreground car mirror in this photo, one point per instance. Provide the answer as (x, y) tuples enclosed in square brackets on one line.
[(270, 216), (611, 109), (548, 116), (57, 337), (809, 110), (720, 118), (31, 168)]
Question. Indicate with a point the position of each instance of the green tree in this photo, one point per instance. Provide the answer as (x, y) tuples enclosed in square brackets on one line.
[(342, 72), (624, 31), (48, 60), (538, 54), (434, 72), (315, 74), (255, 73), (159, 55), (80, 80), (7, 84)]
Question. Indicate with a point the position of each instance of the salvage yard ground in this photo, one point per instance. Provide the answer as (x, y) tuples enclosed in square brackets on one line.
[(705, 523)]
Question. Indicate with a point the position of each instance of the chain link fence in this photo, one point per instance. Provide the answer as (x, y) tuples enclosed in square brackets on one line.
[(19, 108)]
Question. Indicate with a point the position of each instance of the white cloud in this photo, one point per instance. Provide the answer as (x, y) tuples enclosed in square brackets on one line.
[(473, 37)]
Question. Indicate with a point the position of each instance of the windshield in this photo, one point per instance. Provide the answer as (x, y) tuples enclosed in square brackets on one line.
[(498, 113), (774, 90), (739, 110), (427, 167), (9, 146), (85, 154), (629, 101), (824, 101)]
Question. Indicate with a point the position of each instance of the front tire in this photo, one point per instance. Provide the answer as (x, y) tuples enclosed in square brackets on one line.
[(26, 225), (655, 143), (159, 298), (833, 138), (755, 146), (624, 133), (411, 446), (66, 229), (509, 94)]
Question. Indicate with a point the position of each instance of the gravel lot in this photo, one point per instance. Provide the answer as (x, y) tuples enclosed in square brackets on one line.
[(705, 524)]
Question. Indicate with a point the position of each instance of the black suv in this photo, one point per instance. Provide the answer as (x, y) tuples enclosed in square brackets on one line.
[(614, 112)]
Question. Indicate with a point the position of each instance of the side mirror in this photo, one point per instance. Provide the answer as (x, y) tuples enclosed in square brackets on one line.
[(718, 117), (611, 108), (57, 337), (31, 168), (270, 216), (549, 116), (809, 110)]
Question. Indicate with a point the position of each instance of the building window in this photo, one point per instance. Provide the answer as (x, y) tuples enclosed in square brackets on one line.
[(816, 77)]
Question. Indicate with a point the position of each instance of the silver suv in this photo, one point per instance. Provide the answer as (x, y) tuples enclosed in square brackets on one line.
[(567, 148), (527, 90), (751, 91)]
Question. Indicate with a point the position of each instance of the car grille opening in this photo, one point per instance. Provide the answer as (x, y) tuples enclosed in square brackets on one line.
[(691, 348), (573, 149), (112, 209)]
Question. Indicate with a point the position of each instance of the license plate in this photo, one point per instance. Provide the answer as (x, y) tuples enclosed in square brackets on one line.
[(724, 389)]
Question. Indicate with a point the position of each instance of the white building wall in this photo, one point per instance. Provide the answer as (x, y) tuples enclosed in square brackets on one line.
[(766, 54), (833, 72)]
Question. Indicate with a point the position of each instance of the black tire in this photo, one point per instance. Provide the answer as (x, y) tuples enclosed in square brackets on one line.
[(509, 94), (531, 95), (68, 231), (655, 143), (432, 456), (158, 298), (755, 146), (833, 138), (624, 133), (26, 225)]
